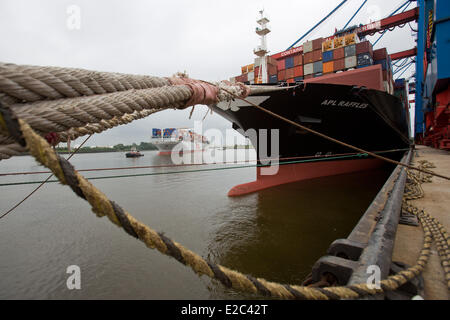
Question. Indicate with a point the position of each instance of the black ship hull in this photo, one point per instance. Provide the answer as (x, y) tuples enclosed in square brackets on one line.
[(369, 119)]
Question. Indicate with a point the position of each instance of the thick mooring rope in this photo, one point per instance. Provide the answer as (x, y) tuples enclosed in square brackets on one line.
[(102, 206), (8, 147), (74, 102), (23, 83), (62, 114)]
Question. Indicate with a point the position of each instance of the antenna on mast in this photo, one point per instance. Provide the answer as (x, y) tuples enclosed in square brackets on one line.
[(261, 51)]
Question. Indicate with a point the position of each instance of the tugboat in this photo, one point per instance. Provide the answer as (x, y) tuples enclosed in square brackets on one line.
[(133, 153)]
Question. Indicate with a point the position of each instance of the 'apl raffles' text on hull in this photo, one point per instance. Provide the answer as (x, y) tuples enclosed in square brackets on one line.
[(369, 119)]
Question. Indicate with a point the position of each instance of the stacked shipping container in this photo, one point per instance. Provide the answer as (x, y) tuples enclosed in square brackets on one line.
[(382, 57), (252, 73), (320, 57), (291, 68)]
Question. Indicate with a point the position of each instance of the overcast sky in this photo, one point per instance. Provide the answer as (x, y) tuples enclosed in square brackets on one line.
[(208, 39)]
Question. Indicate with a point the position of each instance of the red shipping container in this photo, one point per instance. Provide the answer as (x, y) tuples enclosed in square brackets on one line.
[(281, 64), (380, 54), (282, 75), (290, 80), (298, 60), (339, 64), (339, 54), (364, 47), (256, 71), (317, 55), (242, 78), (317, 44), (290, 73), (272, 69), (308, 58), (298, 71), (271, 60)]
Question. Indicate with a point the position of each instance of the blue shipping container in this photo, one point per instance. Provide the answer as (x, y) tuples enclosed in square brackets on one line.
[(364, 59), (383, 64), (298, 79), (400, 82), (168, 132), (327, 56), (367, 65), (289, 62), (273, 79), (318, 67), (156, 133)]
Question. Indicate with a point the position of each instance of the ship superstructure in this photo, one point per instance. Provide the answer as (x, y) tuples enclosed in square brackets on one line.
[(180, 140)]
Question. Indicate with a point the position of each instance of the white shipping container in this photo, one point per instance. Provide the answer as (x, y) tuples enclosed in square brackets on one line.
[(308, 47), (258, 62), (251, 76), (351, 62), (308, 69)]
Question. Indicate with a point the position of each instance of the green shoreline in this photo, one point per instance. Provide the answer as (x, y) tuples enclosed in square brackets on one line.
[(143, 146)]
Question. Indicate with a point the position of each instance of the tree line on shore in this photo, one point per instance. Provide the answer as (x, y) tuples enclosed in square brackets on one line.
[(143, 146)]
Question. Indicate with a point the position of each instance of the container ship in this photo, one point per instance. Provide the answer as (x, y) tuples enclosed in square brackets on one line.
[(181, 140), (339, 86)]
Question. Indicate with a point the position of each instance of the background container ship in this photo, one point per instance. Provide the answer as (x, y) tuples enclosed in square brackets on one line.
[(338, 86), (180, 140)]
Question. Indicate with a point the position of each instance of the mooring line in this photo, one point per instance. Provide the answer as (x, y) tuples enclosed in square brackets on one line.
[(102, 206), (330, 138), (183, 171), (198, 164), (356, 155), (42, 182)]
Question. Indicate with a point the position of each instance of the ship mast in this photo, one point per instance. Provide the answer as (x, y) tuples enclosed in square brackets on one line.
[(261, 50)]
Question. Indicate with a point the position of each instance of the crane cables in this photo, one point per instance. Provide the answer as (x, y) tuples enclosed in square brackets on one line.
[(404, 6), (319, 23), (359, 9)]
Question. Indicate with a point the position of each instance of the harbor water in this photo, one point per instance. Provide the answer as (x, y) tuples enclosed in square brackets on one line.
[(276, 234)]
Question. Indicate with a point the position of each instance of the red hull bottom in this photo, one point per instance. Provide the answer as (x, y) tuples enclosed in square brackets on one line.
[(304, 171)]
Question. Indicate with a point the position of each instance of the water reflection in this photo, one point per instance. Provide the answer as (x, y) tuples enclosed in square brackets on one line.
[(278, 234)]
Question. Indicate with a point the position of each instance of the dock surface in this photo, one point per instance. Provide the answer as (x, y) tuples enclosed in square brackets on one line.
[(436, 202)]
